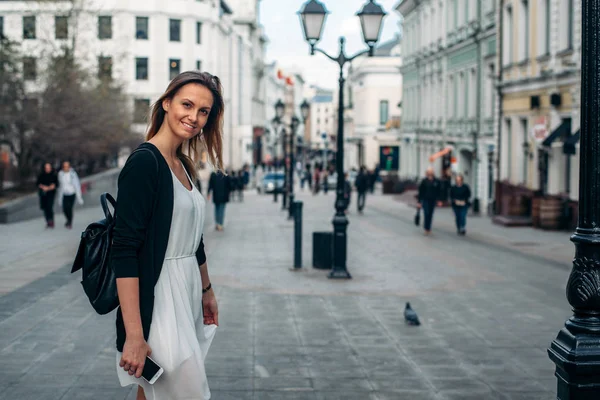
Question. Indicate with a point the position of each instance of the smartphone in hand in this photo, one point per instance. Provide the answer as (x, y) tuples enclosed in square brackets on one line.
[(152, 371)]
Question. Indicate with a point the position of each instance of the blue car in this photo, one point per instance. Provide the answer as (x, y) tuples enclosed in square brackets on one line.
[(272, 181)]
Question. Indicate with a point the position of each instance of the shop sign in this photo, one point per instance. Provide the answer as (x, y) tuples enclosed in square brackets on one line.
[(539, 132)]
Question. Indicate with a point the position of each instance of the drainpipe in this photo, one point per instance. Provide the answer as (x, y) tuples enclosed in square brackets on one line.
[(476, 203), (499, 88)]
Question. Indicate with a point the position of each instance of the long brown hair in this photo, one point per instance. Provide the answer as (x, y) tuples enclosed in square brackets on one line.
[(211, 138)]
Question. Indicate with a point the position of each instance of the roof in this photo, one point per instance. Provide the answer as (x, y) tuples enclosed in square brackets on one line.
[(322, 98), (385, 48)]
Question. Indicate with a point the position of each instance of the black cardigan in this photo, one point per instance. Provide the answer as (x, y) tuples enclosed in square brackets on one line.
[(144, 212)]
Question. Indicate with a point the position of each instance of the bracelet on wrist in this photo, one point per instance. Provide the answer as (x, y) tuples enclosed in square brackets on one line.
[(204, 290)]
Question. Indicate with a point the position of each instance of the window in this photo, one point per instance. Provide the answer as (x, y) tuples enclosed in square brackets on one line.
[(508, 36), (175, 30), (29, 69), (141, 68), (141, 107), (105, 68), (1, 26), (570, 26), (105, 27), (174, 68), (61, 27), (198, 65), (198, 32), (383, 112), (29, 27), (141, 28), (524, 28)]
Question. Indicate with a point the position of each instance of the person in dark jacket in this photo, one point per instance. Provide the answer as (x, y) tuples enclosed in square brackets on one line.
[(47, 182), (460, 194), (362, 185), (429, 197), (220, 185), (347, 192)]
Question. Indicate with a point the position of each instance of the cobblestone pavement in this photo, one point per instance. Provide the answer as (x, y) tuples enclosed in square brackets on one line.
[(489, 310)]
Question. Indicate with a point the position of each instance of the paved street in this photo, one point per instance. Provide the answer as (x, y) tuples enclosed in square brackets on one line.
[(490, 304)]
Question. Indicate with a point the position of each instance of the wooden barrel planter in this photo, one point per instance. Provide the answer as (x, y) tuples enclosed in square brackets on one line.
[(550, 213), (535, 211)]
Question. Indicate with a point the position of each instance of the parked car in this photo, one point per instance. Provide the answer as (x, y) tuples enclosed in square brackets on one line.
[(271, 182)]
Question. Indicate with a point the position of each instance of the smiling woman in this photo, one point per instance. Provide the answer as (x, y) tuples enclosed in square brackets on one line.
[(167, 308)]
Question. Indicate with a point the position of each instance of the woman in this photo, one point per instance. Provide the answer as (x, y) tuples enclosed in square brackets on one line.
[(69, 190), (459, 196), (167, 305), (47, 183), (220, 185)]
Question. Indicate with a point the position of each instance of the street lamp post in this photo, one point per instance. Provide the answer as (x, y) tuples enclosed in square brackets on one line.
[(293, 127), (312, 17), (576, 350)]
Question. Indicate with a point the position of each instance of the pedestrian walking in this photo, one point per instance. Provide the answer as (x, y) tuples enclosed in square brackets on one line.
[(47, 182), (347, 193), (317, 178), (362, 185), (220, 185), (241, 185), (167, 306), (69, 191), (325, 178), (429, 197), (460, 195), (372, 178)]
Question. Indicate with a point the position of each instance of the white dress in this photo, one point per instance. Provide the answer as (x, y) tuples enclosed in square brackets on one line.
[(178, 337)]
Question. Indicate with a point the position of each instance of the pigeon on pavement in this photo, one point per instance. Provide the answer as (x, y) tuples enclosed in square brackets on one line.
[(410, 316)]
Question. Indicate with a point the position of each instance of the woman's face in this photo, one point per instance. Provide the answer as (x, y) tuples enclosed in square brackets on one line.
[(188, 111), (47, 168), (66, 166)]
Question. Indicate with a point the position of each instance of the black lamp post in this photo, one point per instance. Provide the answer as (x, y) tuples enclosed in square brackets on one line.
[(576, 350), (293, 127), (276, 122), (312, 16)]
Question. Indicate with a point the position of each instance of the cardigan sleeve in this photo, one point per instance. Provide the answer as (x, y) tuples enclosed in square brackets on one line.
[(137, 185), (200, 254)]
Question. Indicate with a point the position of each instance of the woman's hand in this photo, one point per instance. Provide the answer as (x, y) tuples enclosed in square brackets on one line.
[(210, 309), (134, 355)]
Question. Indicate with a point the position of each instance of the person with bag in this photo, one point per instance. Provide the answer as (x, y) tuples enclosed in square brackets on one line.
[(460, 195), (429, 198), (47, 182), (167, 306), (69, 190), (362, 185), (220, 185)]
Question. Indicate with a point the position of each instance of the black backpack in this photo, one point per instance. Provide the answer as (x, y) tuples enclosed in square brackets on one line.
[(98, 278)]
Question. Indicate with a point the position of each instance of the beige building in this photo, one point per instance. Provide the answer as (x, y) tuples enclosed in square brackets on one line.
[(540, 93)]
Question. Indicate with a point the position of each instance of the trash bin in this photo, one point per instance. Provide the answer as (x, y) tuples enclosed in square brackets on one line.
[(322, 250)]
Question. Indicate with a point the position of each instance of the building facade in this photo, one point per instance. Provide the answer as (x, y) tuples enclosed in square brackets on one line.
[(145, 44), (373, 110), (449, 58), (540, 89)]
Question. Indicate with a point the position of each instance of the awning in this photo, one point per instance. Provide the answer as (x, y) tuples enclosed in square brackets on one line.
[(563, 130), (570, 143)]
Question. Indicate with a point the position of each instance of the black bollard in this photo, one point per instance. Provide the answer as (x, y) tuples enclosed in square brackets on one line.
[(298, 234)]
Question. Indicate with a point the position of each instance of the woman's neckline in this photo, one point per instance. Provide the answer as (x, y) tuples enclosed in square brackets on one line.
[(173, 173)]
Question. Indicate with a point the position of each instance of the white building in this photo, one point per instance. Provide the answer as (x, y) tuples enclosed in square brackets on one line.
[(322, 120), (144, 44), (373, 110)]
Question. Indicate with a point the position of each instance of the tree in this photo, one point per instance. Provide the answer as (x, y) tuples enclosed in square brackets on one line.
[(18, 113)]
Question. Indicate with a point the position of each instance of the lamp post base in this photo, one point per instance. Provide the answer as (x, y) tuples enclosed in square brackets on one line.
[(340, 223), (576, 353)]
